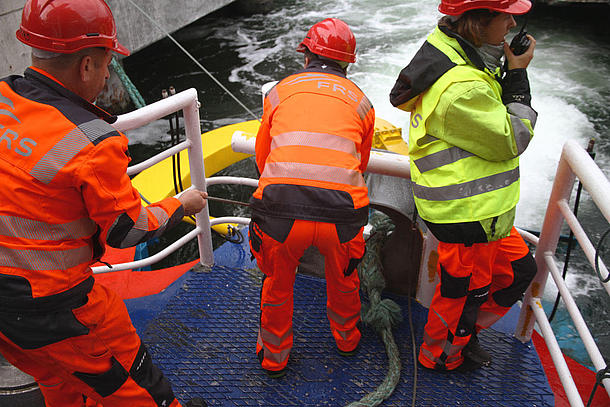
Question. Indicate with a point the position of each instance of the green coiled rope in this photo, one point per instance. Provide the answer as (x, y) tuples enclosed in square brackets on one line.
[(380, 314)]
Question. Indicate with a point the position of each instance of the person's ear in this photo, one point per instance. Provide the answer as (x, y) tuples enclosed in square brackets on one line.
[(86, 68)]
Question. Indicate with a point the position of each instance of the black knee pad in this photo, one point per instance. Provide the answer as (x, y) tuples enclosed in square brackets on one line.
[(108, 382), (524, 270)]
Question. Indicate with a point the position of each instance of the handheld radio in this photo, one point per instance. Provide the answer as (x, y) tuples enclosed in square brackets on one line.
[(520, 42)]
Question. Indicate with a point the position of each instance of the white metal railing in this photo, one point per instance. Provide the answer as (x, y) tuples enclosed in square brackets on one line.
[(188, 103), (574, 162), (380, 162)]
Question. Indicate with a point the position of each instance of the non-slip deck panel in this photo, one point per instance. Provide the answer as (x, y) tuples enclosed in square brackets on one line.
[(204, 341)]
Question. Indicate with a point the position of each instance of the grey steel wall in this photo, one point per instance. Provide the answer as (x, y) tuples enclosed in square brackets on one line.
[(14, 56), (135, 31)]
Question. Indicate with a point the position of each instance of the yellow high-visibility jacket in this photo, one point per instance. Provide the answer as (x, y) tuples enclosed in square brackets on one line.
[(467, 130)]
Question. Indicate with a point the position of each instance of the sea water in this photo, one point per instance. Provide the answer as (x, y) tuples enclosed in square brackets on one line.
[(568, 77)]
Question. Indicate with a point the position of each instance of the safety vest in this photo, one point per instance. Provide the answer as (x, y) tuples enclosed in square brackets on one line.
[(453, 185), (65, 193), (312, 148)]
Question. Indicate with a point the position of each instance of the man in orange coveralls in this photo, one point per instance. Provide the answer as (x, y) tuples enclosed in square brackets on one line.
[(65, 195), (311, 150)]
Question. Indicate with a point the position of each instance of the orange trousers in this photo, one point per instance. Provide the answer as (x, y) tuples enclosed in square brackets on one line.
[(279, 260), (109, 365), (478, 285)]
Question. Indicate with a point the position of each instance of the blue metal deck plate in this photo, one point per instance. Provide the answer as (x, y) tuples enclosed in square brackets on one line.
[(204, 341)]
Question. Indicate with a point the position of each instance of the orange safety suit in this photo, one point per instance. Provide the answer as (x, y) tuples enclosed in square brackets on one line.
[(65, 195), (479, 283), (312, 148)]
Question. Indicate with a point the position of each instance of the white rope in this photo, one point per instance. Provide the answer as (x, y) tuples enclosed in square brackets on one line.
[(168, 35)]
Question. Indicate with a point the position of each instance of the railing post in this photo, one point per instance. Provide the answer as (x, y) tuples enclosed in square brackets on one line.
[(549, 237), (192, 128)]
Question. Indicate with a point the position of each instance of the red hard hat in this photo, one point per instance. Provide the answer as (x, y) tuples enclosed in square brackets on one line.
[(67, 26), (330, 38), (457, 7)]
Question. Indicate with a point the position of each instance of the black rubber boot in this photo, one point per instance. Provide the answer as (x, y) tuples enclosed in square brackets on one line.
[(196, 402), (349, 353), (475, 353), (274, 374)]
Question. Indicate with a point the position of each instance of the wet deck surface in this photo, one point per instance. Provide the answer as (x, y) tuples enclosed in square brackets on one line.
[(204, 331)]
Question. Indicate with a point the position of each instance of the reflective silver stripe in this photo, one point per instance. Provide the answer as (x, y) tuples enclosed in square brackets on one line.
[(140, 228), (339, 319), (426, 139), (275, 340), (428, 354), (6, 101), (441, 318), (273, 97), (95, 129), (160, 214), (431, 341), (142, 221), (9, 114), (311, 139), (450, 357), (343, 334), (434, 343), (268, 304), (440, 158), (364, 107), (467, 189), (452, 351), (350, 291), (313, 172), (62, 152), (522, 134), (310, 77), (523, 112), (276, 357), (518, 113), (33, 229), (269, 354), (58, 156), (40, 260)]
